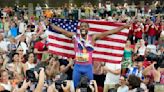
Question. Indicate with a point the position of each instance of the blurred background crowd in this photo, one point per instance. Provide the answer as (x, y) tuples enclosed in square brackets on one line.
[(26, 64)]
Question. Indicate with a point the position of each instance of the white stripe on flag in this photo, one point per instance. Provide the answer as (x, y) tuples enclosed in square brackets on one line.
[(107, 57), (61, 50)]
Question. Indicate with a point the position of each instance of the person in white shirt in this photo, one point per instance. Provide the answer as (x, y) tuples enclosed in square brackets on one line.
[(140, 47), (31, 62), (38, 10), (5, 84), (22, 26), (123, 87), (3, 45), (152, 48), (108, 8), (112, 77), (23, 43)]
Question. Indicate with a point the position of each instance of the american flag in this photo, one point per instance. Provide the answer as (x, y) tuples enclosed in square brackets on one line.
[(109, 49)]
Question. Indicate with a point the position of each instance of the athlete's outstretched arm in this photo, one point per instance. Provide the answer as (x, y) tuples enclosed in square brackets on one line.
[(104, 34), (61, 30)]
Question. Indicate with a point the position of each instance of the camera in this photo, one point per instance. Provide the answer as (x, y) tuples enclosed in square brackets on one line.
[(30, 75), (61, 81), (84, 84)]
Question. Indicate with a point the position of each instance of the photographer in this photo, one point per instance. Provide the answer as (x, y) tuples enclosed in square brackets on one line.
[(28, 84), (87, 86), (52, 69), (30, 63), (66, 88), (66, 67)]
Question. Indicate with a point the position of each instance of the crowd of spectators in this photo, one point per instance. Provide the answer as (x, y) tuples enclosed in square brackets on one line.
[(26, 64)]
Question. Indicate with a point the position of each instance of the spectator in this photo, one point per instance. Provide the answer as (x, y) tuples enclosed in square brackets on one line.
[(3, 62), (67, 88), (112, 77), (22, 26), (21, 56), (14, 30), (23, 43), (158, 25), (66, 66), (11, 47), (135, 84), (161, 70), (40, 48), (99, 75), (123, 87), (127, 59), (161, 50), (3, 45), (108, 8), (152, 48), (38, 87), (30, 63), (152, 31), (87, 86), (138, 31), (53, 68), (137, 68), (5, 84), (6, 27), (16, 67), (1, 26), (140, 48), (38, 11), (154, 71), (32, 42), (39, 29)]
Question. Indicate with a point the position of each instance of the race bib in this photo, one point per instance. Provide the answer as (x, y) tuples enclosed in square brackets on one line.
[(82, 57)]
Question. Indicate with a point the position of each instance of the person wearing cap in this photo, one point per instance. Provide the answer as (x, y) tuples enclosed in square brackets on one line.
[(137, 68)]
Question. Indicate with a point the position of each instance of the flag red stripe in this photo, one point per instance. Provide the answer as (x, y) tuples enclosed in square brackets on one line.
[(103, 23), (106, 60), (62, 54)]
